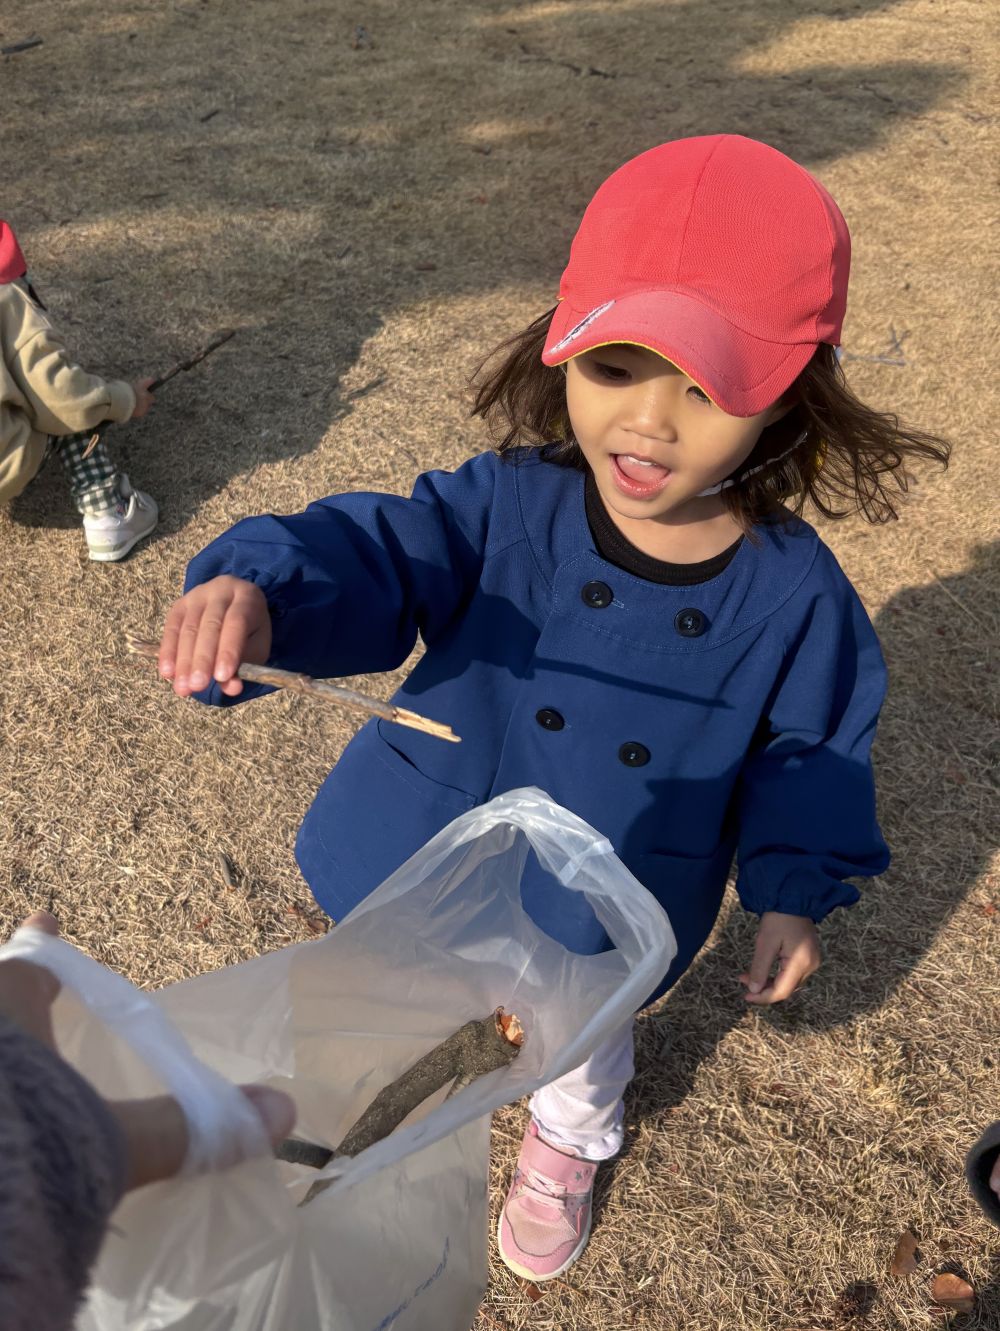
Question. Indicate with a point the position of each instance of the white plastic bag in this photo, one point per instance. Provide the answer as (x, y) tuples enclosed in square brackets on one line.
[(398, 1242)]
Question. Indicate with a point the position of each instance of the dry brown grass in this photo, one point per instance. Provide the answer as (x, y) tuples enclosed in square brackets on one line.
[(773, 1159)]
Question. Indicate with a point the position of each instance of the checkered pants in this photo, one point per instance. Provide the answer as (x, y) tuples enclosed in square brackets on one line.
[(94, 481)]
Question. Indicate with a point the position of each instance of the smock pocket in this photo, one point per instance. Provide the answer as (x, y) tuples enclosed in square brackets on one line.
[(690, 889), (374, 810)]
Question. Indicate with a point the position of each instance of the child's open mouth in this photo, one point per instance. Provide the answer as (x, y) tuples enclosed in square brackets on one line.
[(637, 477)]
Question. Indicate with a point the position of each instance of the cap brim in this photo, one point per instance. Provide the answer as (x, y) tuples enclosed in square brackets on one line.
[(743, 375)]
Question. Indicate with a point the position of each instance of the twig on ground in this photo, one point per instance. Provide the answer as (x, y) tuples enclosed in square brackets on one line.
[(217, 341), (365, 389), (226, 872), (475, 1049), (28, 44), (566, 64), (316, 688)]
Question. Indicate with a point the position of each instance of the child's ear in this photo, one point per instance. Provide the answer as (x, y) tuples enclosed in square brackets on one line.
[(780, 409)]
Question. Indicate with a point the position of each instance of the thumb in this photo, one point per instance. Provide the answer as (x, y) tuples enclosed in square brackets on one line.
[(156, 1138), (275, 1109)]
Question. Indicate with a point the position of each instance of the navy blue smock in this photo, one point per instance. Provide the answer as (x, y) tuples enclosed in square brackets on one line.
[(685, 723)]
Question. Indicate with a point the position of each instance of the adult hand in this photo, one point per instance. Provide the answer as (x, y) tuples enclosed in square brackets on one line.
[(143, 398), (154, 1130), (791, 944), (210, 631)]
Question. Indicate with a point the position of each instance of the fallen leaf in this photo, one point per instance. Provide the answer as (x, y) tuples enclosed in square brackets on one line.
[(532, 1291), (904, 1259), (953, 1293), (224, 867), (990, 908)]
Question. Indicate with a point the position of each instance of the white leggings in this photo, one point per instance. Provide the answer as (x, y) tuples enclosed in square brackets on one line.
[(582, 1112)]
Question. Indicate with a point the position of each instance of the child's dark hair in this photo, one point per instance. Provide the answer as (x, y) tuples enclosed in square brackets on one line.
[(852, 458)]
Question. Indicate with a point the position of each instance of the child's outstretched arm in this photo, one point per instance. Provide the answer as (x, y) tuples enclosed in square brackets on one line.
[(341, 589), (61, 396)]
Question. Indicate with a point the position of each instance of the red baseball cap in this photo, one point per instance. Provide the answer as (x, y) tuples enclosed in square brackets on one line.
[(12, 263), (719, 253)]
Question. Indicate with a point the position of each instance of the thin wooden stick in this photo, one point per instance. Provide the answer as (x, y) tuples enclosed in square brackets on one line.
[(217, 341), (316, 688), (28, 44), (475, 1049)]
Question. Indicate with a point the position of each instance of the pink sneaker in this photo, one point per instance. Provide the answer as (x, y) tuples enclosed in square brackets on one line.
[(545, 1221)]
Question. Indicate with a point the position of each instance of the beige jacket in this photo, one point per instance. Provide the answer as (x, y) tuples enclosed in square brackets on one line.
[(42, 391)]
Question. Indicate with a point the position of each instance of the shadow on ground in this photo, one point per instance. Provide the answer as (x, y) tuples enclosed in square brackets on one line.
[(935, 754), (303, 181)]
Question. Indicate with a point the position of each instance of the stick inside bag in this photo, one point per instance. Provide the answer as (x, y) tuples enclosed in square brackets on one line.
[(475, 1049), (316, 688)]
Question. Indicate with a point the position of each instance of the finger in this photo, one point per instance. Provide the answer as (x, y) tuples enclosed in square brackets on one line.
[(765, 953), (180, 635), (155, 1133), (27, 991), (277, 1110), (791, 974), (187, 637), (233, 636), (167, 662), (995, 1177), (206, 648), (42, 920)]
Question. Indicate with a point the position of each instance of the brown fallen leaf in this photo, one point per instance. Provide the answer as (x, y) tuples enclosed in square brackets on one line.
[(532, 1291), (225, 870), (904, 1259), (953, 1293)]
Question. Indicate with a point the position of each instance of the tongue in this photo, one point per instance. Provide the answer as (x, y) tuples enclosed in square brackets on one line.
[(644, 473)]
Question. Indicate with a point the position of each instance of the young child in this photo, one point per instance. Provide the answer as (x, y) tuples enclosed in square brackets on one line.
[(617, 606), (49, 404)]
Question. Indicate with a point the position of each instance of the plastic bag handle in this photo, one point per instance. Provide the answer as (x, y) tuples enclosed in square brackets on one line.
[(223, 1127)]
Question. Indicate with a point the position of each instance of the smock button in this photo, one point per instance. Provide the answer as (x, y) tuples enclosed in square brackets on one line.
[(596, 594), (689, 623), (549, 719), (633, 754)]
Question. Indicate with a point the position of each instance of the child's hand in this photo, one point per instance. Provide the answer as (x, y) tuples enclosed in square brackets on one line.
[(155, 1131), (143, 398), (793, 942), (210, 631)]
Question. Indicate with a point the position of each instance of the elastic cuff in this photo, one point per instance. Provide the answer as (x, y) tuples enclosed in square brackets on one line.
[(122, 400)]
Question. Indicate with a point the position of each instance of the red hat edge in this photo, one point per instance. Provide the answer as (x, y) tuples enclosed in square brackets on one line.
[(768, 368), (12, 264)]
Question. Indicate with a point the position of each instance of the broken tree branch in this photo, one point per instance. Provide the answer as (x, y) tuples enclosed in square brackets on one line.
[(316, 688), (475, 1049)]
